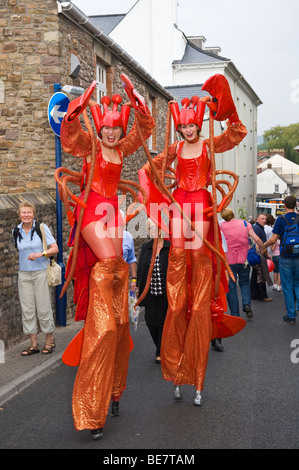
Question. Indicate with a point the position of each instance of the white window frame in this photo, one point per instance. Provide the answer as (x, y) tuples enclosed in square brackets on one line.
[(150, 107), (101, 81)]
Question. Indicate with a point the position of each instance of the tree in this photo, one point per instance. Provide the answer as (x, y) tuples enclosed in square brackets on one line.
[(284, 138)]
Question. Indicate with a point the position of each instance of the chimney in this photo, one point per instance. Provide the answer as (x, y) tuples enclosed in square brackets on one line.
[(198, 41), (277, 152), (214, 50), (263, 153)]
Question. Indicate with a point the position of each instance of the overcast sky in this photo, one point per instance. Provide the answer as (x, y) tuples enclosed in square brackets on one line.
[(261, 37)]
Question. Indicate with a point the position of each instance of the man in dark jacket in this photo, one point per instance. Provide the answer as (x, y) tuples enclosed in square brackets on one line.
[(258, 288)]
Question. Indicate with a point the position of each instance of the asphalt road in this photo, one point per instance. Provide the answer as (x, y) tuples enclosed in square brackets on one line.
[(250, 401)]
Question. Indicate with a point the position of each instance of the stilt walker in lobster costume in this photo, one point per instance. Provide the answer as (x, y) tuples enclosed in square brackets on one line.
[(96, 263), (196, 281)]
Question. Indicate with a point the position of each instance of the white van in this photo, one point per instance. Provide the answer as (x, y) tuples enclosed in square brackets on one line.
[(273, 208)]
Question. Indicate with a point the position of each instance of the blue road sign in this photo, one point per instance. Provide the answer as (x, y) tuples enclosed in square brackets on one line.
[(57, 108)]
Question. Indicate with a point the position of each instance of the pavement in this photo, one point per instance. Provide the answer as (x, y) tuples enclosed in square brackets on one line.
[(249, 402), (17, 372)]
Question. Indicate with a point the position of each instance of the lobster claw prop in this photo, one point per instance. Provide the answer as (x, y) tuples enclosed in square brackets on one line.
[(223, 325), (154, 199), (78, 105), (137, 101), (72, 354), (222, 106)]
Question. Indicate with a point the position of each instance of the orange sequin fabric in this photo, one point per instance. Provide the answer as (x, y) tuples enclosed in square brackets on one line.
[(106, 346), (233, 135), (185, 342)]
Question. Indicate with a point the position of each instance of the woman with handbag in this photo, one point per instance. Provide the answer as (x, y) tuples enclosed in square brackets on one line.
[(236, 234), (32, 279), (260, 273)]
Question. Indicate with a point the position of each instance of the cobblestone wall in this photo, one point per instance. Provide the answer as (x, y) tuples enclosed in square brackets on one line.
[(29, 65)]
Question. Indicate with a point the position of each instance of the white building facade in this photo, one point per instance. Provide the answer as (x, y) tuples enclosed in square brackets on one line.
[(269, 182)]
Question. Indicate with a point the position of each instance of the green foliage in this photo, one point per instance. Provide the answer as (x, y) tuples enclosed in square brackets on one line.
[(286, 138), (262, 146), (243, 214)]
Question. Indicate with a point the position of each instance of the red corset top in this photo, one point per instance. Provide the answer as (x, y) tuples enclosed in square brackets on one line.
[(193, 173), (106, 175)]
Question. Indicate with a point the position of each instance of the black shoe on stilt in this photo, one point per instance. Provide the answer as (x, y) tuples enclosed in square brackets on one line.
[(115, 408), (217, 344)]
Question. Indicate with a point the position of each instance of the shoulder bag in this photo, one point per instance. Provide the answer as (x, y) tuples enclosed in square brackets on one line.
[(252, 256), (53, 269)]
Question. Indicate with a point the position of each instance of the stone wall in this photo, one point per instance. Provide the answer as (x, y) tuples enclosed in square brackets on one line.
[(29, 65), (10, 312), (35, 52)]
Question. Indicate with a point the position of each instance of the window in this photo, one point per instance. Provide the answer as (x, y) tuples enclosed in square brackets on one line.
[(101, 81), (276, 188), (152, 140)]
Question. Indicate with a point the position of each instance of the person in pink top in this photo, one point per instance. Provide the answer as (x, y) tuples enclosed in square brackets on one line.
[(274, 252), (236, 235)]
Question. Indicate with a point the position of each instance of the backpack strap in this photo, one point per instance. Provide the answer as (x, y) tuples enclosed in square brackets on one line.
[(18, 236), (36, 229), (296, 221), (16, 233)]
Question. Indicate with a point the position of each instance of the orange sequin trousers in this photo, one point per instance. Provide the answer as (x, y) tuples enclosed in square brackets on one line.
[(186, 343), (104, 361)]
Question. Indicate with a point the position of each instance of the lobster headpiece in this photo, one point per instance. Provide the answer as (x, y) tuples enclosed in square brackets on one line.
[(112, 117), (190, 113)]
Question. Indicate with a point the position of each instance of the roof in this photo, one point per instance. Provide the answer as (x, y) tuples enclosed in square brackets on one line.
[(291, 180), (282, 164), (287, 170), (106, 22), (195, 55), (186, 91)]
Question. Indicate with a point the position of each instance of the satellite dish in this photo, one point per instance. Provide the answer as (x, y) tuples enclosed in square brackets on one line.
[(75, 66)]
